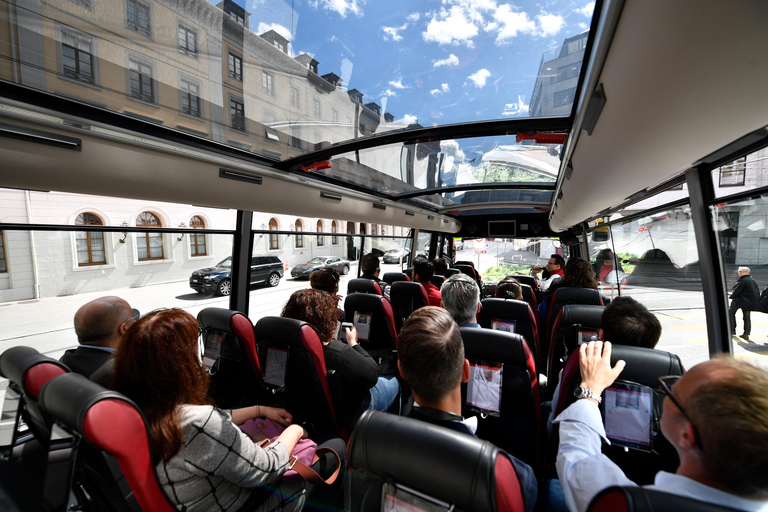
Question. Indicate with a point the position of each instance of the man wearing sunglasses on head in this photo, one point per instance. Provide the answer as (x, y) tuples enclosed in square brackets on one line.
[(716, 417)]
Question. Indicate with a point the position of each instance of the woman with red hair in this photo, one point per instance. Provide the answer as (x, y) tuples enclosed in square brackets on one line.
[(202, 459)]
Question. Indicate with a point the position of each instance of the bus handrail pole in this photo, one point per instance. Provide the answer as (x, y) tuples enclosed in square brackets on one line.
[(242, 246)]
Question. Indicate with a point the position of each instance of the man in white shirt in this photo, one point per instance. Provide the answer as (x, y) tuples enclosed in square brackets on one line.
[(555, 267), (716, 417)]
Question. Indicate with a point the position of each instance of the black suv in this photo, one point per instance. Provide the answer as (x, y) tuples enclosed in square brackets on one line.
[(264, 269)]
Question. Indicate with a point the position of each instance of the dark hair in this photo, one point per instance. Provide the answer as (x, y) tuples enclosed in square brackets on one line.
[(158, 367), (316, 308), (559, 260), (431, 353), (424, 269), (440, 266), (627, 322), (579, 274), (325, 279), (604, 254), (509, 289), (370, 263)]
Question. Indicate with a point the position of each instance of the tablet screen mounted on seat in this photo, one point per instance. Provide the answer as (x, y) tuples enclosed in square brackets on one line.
[(213, 341), (398, 498), (484, 388), (503, 325), (628, 415), (274, 371)]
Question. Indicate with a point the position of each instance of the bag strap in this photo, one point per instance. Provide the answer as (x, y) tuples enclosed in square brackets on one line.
[(309, 474)]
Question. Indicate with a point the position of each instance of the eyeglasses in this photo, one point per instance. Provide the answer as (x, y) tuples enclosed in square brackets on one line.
[(666, 387)]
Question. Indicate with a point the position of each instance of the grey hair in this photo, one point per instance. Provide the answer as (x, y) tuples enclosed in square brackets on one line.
[(460, 296), (744, 269)]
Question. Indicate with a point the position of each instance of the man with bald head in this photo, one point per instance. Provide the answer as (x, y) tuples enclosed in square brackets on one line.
[(99, 324)]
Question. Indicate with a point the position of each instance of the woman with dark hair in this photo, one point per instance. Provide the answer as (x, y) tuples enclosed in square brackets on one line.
[(578, 274), (362, 388), (203, 461), (327, 279)]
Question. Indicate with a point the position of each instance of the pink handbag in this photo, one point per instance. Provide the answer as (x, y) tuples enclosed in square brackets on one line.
[(264, 431)]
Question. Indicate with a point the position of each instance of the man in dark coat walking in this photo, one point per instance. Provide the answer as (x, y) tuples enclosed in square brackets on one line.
[(745, 296)]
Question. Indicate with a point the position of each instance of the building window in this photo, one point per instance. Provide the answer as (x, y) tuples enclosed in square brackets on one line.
[(149, 246), (569, 71), (138, 17), (88, 4), (334, 230), (190, 98), (197, 240), (237, 114), (268, 83), (77, 60), (187, 41), (335, 116), (299, 236), (564, 97), (320, 238), (89, 244), (316, 107), (295, 97), (141, 82), (3, 263), (274, 241), (733, 175), (296, 137), (235, 66)]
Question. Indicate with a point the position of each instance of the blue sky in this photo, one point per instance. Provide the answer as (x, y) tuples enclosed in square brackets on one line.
[(435, 61)]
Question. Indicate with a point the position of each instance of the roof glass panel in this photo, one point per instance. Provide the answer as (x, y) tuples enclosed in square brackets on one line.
[(280, 79)]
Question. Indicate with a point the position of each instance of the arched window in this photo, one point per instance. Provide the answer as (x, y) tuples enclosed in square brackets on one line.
[(373, 229), (149, 246), (89, 244), (320, 238), (299, 236), (274, 241), (334, 230), (197, 240), (3, 263)]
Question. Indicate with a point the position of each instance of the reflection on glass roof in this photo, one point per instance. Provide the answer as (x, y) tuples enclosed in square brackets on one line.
[(280, 79)]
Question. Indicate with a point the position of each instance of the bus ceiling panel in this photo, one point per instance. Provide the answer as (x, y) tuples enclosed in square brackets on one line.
[(113, 168), (676, 92)]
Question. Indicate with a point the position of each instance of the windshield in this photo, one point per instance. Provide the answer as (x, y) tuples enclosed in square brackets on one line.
[(316, 261), (225, 263)]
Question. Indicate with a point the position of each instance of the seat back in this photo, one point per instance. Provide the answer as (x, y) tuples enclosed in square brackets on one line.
[(561, 297), (437, 281), (376, 332), (529, 296), (529, 280), (467, 269), (644, 367), (391, 277), (643, 499), (571, 319), (451, 272), (441, 464), (231, 358), (406, 298), (509, 312), (112, 425), (514, 426), (294, 370), (363, 286)]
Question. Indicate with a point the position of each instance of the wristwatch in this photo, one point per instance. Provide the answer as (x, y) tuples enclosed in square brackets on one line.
[(582, 392)]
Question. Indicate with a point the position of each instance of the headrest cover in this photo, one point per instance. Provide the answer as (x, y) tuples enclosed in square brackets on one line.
[(68, 398), (497, 346), (16, 361), (216, 318)]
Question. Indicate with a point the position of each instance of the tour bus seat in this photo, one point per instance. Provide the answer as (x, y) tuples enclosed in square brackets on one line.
[(381, 340), (363, 286), (644, 367), (35, 473), (643, 499), (570, 320), (464, 472), (529, 296), (469, 270), (451, 272), (114, 468), (391, 277), (561, 297), (235, 370), (300, 380), (511, 311), (438, 281), (529, 280), (406, 298), (516, 427)]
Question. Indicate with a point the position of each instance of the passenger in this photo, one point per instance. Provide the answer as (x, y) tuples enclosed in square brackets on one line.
[(203, 461), (431, 360), (509, 289), (554, 267), (361, 386), (578, 274), (745, 296), (326, 279), (422, 273), (461, 298), (604, 264), (716, 417), (99, 325), (370, 267), (440, 266)]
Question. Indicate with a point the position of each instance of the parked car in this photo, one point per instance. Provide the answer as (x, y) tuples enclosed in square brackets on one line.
[(264, 269), (395, 255), (303, 270)]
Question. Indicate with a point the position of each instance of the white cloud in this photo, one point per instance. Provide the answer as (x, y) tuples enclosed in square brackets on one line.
[(391, 32), (389, 92), (340, 6), (480, 77), (583, 26), (415, 16), (283, 31), (512, 23), (550, 24), (451, 148), (451, 60), (445, 88), (587, 10), (450, 27), (409, 119), (435, 92), (398, 84)]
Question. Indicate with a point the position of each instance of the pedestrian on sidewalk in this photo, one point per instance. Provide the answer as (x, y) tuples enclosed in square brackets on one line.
[(745, 296)]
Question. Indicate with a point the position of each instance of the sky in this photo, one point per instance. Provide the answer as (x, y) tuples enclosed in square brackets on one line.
[(434, 62)]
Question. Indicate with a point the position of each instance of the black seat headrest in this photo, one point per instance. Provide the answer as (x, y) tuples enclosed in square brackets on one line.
[(645, 365), (392, 277), (517, 308), (16, 361), (643, 499), (498, 346), (216, 318), (568, 295), (588, 315)]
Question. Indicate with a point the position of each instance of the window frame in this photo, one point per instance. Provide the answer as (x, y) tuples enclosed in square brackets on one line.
[(295, 97), (317, 108), (63, 32), (274, 238), (196, 39), (334, 231), (3, 257), (91, 236), (267, 82), (148, 237), (135, 27), (320, 237), (237, 101), (140, 61), (569, 94), (730, 169), (188, 81), (194, 238), (232, 71), (298, 227)]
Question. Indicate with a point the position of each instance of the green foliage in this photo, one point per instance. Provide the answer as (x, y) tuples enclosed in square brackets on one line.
[(496, 173), (498, 273)]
